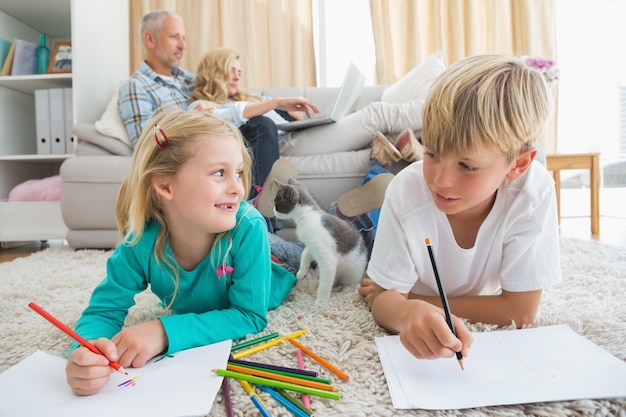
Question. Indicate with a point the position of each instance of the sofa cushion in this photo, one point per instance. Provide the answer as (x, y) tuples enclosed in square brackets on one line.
[(88, 133), (329, 175), (111, 123), (415, 84)]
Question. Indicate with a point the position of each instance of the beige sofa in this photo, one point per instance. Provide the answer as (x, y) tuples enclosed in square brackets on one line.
[(90, 181)]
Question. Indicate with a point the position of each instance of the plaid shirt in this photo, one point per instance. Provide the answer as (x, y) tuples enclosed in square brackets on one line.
[(147, 93)]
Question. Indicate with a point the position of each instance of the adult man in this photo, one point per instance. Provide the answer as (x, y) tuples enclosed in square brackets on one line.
[(159, 84)]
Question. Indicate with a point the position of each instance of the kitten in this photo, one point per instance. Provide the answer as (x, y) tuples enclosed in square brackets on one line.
[(334, 244)]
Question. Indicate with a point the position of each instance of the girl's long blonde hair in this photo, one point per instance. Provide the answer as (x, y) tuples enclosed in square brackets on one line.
[(212, 77), (137, 202)]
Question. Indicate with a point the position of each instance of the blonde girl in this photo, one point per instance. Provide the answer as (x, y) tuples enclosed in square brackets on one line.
[(191, 237)]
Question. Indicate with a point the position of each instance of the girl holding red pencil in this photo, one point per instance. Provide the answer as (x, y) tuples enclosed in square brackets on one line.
[(190, 236)]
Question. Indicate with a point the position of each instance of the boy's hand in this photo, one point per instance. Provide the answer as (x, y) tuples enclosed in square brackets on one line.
[(427, 336), (88, 372), (137, 344)]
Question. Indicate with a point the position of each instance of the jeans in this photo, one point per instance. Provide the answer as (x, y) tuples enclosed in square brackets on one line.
[(287, 252), (261, 137)]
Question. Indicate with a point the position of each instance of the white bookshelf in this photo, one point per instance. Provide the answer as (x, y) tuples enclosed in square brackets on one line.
[(99, 32), (27, 84)]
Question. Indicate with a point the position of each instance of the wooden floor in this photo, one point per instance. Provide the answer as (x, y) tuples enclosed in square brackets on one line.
[(612, 231)]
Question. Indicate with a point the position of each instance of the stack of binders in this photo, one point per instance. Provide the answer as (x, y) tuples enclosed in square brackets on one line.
[(54, 120)]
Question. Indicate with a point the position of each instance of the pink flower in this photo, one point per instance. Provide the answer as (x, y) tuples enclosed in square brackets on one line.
[(224, 269), (546, 65)]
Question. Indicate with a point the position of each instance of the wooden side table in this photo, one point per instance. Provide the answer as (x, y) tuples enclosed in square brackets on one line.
[(591, 161)]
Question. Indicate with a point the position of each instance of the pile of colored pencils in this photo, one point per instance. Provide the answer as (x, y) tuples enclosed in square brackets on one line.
[(278, 380)]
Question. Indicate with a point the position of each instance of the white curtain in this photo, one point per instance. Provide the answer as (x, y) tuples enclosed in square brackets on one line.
[(274, 37), (407, 31)]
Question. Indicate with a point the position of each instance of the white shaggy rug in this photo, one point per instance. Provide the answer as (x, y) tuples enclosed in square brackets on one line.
[(591, 299)]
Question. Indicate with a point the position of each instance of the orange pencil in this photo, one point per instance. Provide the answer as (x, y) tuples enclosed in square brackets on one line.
[(321, 360), (279, 377), (71, 333)]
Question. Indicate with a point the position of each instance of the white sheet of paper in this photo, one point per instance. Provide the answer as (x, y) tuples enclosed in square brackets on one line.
[(179, 386), (551, 363)]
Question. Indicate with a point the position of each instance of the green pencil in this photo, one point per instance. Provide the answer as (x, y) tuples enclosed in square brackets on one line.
[(278, 384), (254, 341), (295, 401)]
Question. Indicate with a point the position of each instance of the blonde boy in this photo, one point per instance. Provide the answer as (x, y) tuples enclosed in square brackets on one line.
[(479, 195)]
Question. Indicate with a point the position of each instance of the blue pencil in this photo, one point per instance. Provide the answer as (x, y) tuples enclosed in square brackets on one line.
[(291, 407), (255, 399), (259, 406)]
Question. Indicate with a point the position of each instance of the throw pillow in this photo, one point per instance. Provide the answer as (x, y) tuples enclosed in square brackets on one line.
[(45, 189), (415, 84), (111, 124)]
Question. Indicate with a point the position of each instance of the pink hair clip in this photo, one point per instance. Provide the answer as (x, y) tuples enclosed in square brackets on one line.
[(224, 269), (160, 137)]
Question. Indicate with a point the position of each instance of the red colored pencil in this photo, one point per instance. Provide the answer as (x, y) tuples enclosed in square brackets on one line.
[(71, 333)]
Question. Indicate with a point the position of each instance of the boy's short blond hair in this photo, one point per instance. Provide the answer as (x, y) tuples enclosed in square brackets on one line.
[(486, 101)]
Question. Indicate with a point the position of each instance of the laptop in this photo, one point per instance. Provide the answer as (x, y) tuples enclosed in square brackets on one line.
[(349, 92)]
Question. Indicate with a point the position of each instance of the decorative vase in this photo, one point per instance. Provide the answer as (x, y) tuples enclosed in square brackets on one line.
[(43, 55)]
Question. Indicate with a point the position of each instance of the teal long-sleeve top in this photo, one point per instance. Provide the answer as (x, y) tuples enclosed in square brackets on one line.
[(209, 306)]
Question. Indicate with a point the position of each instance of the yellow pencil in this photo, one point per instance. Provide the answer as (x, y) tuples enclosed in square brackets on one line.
[(269, 344)]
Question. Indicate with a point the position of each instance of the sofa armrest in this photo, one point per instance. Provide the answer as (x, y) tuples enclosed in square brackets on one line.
[(97, 143)]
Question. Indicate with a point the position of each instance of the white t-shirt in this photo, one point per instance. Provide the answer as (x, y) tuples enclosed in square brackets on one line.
[(516, 248)]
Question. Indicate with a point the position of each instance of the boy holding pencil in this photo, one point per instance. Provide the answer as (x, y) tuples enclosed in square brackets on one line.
[(487, 205)]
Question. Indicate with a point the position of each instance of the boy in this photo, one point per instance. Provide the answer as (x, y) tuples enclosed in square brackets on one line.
[(487, 206)]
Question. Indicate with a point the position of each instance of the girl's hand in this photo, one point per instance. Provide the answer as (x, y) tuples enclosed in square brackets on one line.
[(427, 336), (88, 372), (137, 344)]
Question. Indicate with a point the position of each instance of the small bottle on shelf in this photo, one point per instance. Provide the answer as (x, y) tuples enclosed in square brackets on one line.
[(43, 55)]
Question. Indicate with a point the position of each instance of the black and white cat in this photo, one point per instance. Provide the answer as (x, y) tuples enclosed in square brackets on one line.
[(334, 244)]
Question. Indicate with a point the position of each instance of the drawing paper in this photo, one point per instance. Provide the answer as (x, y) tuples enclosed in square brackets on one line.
[(551, 363), (182, 385)]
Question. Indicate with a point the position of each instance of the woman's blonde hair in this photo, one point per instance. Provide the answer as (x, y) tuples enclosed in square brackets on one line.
[(212, 77), (486, 101), (137, 202)]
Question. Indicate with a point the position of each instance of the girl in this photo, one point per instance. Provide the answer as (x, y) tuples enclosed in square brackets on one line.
[(189, 234)]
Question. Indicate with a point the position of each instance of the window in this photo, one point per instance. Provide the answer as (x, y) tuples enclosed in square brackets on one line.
[(343, 33), (593, 69)]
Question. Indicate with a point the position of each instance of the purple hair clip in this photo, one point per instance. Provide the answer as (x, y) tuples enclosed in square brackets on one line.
[(160, 137)]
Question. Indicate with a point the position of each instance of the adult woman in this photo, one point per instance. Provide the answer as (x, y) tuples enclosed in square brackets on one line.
[(217, 90)]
